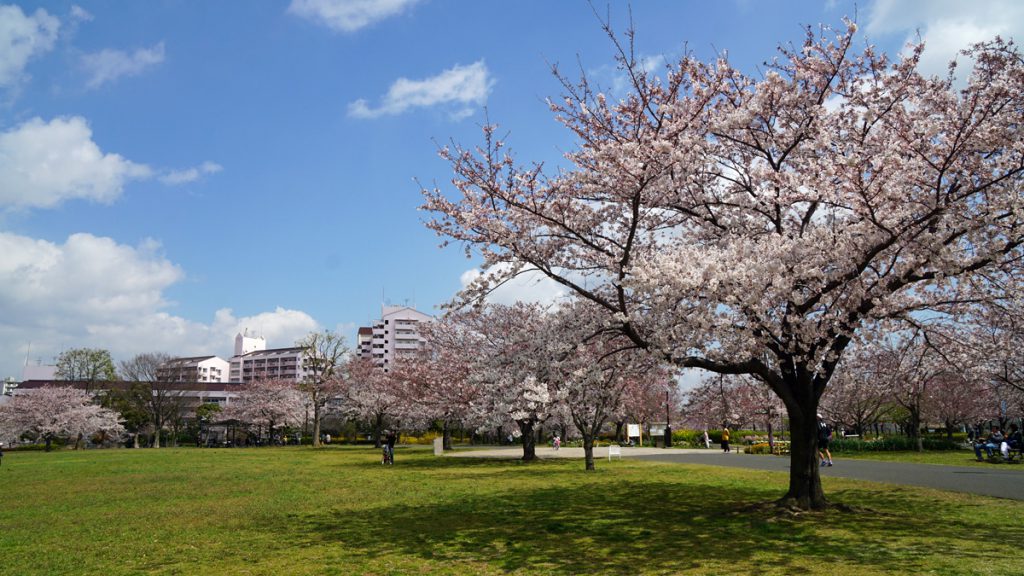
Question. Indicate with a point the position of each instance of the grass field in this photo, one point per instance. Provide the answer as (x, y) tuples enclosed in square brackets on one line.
[(945, 458), (337, 511)]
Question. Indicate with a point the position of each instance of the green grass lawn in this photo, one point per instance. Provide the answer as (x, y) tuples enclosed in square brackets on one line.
[(942, 457), (337, 511)]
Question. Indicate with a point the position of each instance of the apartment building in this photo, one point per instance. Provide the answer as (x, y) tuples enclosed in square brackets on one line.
[(395, 335), (264, 364), (194, 369)]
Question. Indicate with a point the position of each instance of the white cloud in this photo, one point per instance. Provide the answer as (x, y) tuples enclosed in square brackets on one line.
[(44, 163), (21, 38), (459, 85), (175, 177), (109, 65), (91, 291), (530, 286), (946, 26), (348, 15), (80, 14)]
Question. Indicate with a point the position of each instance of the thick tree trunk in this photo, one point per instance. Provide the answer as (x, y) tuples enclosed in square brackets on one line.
[(316, 425), (49, 444), (378, 426), (446, 435), (619, 426), (156, 439), (529, 440), (804, 481), (914, 429), (135, 440), (588, 450)]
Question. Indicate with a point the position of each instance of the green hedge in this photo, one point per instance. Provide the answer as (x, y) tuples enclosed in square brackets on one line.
[(891, 444)]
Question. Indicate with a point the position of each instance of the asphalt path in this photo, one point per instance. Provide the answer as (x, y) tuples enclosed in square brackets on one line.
[(998, 480)]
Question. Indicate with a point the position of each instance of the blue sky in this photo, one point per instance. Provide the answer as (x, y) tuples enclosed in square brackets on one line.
[(172, 172)]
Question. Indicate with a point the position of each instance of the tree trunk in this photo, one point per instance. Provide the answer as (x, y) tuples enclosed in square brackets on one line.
[(588, 450), (446, 435), (914, 429), (804, 481), (49, 444), (78, 441), (316, 425), (135, 440), (378, 425), (618, 431), (529, 440), (156, 438)]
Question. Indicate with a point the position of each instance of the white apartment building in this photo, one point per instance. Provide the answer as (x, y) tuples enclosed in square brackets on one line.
[(395, 335), (194, 369), (364, 342), (264, 364)]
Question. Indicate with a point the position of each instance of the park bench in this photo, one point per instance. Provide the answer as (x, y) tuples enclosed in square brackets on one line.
[(614, 450), (1016, 455)]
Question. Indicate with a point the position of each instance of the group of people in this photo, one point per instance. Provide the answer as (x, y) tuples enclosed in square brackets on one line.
[(996, 440)]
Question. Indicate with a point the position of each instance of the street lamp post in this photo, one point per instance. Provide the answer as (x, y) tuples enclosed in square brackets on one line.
[(668, 421)]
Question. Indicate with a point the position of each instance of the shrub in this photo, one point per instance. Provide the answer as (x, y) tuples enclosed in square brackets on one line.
[(891, 443)]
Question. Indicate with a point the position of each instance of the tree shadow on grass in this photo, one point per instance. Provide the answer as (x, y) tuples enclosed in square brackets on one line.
[(648, 527)]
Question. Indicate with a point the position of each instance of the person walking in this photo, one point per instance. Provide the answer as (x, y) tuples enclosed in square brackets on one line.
[(556, 442), (725, 439), (824, 438), (389, 441)]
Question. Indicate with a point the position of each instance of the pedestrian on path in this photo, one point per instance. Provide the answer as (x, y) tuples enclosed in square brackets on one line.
[(725, 439), (824, 438)]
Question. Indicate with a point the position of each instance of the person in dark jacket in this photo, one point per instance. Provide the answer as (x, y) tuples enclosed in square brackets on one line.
[(1012, 440), (389, 442), (990, 444), (824, 438)]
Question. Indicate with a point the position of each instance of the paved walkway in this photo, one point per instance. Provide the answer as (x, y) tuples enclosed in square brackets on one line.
[(999, 480)]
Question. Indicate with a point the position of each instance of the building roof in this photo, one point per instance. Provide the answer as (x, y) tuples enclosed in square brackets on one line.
[(366, 330), (195, 359), (123, 385), (273, 351)]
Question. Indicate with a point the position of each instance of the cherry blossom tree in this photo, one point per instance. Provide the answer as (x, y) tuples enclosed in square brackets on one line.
[(268, 404), (592, 370), (513, 369), (643, 402), (957, 399), (370, 394), (752, 224), (55, 412), (858, 394), (435, 385)]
